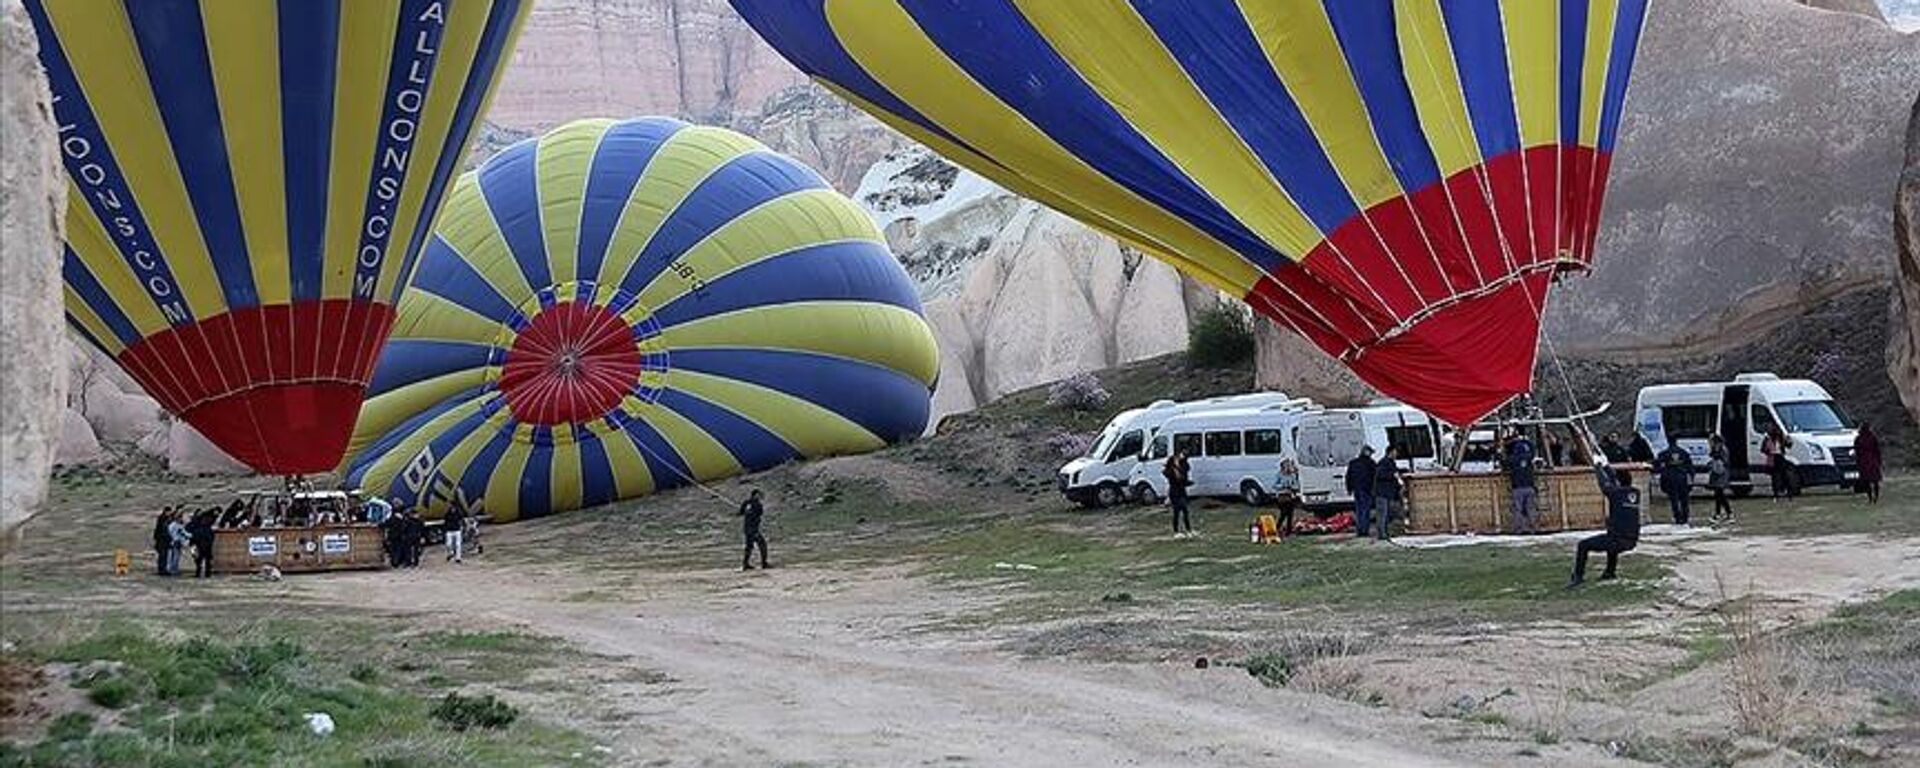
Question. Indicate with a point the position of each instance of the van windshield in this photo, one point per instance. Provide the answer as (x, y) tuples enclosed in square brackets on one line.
[(1812, 416), (1100, 445)]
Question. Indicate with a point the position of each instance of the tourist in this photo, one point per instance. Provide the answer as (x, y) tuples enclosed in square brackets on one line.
[(162, 540), (1610, 448), (1623, 525), (1866, 454), (1386, 492), (1517, 459), (1640, 451), (751, 512), (1719, 477), (200, 532), (378, 510), (413, 537), (1556, 451), (177, 540), (1359, 479), (1675, 466), (393, 538), (1286, 491), (1774, 450), (1179, 475), (454, 527)]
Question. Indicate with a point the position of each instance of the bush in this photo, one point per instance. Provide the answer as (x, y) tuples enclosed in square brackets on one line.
[(1070, 445), (1271, 669), (1221, 337), (464, 712), (112, 692), (1080, 392)]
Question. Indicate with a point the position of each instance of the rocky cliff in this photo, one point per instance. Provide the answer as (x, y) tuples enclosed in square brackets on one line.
[(1903, 360)]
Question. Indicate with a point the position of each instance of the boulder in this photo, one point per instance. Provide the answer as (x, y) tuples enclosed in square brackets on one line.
[(33, 190), (78, 446), (1152, 319), (101, 392), (189, 453), (1903, 359)]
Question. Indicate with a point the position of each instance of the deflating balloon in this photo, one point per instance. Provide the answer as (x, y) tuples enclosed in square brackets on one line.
[(1397, 180), (249, 182), (620, 307)]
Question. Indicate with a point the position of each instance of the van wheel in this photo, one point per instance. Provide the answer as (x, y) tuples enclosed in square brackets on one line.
[(1144, 494), (1251, 494), (1108, 495)]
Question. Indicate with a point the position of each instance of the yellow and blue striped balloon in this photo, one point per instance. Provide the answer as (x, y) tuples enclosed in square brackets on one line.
[(249, 181), (620, 307), (1400, 181)]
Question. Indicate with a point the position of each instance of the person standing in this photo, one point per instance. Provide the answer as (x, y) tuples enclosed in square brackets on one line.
[(1610, 448), (1623, 525), (453, 526), (1719, 478), (162, 540), (177, 540), (1359, 481), (1675, 466), (1773, 449), (1640, 451), (751, 512), (1556, 451), (378, 510), (1179, 474), (1866, 454), (200, 532), (1386, 492), (1517, 459), (1286, 491)]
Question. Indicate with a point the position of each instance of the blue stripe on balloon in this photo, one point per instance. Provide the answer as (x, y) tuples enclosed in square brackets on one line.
[(409, 71), (492, 48), (751, 445), (597, 485), (1372, 49), (536, 479), (440, 444), (309, 46), (446, 274), (891, 405), (853, 270), (1018, 66), (95, 296), (486, 461), (1214, 45), (87, 156), (510, 188), (393, 437), (1573, 54), (619, 161), (1626, 41), (411, 361), (1480, 51), (734, 188), (173, 46), (669, 470)]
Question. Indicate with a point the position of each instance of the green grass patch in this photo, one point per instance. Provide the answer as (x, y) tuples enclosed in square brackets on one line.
[(1826, 512)]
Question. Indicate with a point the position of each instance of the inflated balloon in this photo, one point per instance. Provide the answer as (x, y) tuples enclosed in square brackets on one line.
[(249, 183), (1397, 180), (619, 307)]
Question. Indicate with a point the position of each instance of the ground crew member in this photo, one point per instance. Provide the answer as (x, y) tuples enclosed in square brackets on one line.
[(750, 513), (1518, 458), (1623, 524), (1676, 481), (1360, 483)]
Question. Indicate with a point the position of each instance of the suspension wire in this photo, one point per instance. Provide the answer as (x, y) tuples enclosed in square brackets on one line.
[(684, 476)]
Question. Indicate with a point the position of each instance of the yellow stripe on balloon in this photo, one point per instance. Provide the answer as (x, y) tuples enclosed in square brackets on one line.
[(243, 48), (846, 329), (1533, 61), (567, 483), (468, 227), (561, 163), (89, 240), (98, 39), (809, 428), (83, 314), (395, 459), (458, 51), (389, 409), (424, 315), (460, 457), (1602, 17), (773, 228), (503, 484), (366, 49), (1114, 50), (892, 49), (1303, 50), (704, 456), (687, 158), (631, 476), (1427, 54)]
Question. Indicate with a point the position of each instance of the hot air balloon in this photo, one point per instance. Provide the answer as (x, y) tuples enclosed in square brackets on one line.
[(620, 307), (1400, 181), (249, 183)]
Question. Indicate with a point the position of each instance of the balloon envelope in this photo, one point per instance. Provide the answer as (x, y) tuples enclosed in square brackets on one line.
[(619, 307), (249, 182), (1397, 180)]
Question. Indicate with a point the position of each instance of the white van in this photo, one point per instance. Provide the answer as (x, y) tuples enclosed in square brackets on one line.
[(1232, 453), (1741, 411), (1330, 438), (1100, 478)]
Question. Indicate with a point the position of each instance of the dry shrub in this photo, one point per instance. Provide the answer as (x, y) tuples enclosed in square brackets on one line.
[(1320, 661), (1769, 685)]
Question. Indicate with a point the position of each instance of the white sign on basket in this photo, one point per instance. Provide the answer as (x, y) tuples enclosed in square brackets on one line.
[(336, 543), (262, 546)]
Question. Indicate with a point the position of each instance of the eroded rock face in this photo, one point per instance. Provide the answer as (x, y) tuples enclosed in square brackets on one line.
[(32, 210), (1286, 362), (1903, 359), (189, 453), (77, 446)]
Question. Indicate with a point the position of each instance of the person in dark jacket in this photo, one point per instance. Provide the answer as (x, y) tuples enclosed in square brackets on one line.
[(1719, 479), (1517, 460), (1623, 524), (454, 526), (1610, 447), (162, 540), (413, 538), (1179, 474), (1675, 466), (1640, 451), (1386, 492), (200, 533), (751, 511), (1556, 451), (1866, 453), (1359, 479)]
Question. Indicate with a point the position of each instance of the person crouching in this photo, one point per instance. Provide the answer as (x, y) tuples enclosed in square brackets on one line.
[(1623, 524)]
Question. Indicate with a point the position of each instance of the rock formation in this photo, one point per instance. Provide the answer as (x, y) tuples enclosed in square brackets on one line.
[(32, 211), (1903, 360), (77, 444)]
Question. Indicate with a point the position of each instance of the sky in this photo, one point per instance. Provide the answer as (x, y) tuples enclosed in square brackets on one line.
[(1905, 14)]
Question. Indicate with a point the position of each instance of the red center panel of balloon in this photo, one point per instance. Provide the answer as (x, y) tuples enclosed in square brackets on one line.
[(573, 363)]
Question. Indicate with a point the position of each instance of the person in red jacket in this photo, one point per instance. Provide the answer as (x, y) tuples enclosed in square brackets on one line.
[(1866, 453)]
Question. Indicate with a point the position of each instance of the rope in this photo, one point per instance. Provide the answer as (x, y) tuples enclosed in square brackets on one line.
[(684, 476)]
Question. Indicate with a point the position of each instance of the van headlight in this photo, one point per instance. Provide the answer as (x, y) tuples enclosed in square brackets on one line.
[(1819, 453)]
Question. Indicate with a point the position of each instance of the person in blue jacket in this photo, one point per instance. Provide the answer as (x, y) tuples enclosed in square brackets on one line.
[(1623, 524)]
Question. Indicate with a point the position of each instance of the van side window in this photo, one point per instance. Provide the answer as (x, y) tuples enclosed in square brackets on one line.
[(1762, 420), (1690, 422), (1263, 442), (1223, 443), (1159, 448), (1315, 448), (1188, 443), (1414, 442), (1127, 448)]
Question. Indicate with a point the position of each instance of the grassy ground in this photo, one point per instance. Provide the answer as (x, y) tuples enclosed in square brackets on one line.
[(1826, 512)]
